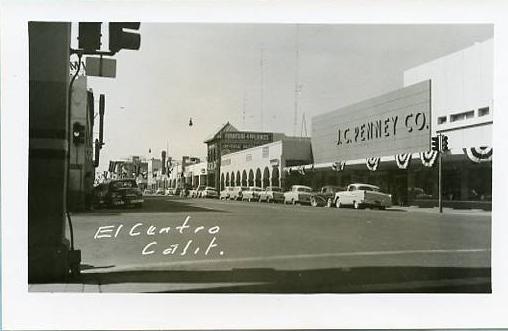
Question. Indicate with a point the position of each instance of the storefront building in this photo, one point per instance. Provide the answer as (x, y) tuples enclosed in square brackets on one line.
[(180, 174), (453, 96), (228, 140), (262, 166)]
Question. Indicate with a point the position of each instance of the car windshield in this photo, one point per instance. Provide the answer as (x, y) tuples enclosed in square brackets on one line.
[(369, 188), (304, 189), (124, 184)]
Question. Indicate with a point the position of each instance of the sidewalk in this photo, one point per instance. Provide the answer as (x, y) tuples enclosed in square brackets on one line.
[(449, 211)]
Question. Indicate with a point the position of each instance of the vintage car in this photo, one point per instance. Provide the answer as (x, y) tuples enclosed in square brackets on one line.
[(326, 196), (363, 195), (226, 193), (148, 192), (271, 194), (251, 194), (298, 194), (237, 192), (209, 192), (119, 192), (196, 192)]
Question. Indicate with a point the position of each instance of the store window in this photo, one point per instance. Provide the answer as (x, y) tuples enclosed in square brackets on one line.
[(441, 120), (483, 111), (462, 116)]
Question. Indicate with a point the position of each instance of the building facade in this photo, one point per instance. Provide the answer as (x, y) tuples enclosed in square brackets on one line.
[(461, 101), (262, 165), (228, 140)]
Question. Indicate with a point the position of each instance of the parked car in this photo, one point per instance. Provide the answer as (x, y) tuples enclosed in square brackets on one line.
[(148, 192), (252, 193), (417, 193), (326, 196), (196, 193), (209, 192), (226, 193), (160, 191), (363, 195), (271, 194), (120, 192), (237, 192), (298, 194)]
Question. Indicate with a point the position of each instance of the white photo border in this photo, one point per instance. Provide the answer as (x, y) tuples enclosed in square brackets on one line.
[(24, 310)]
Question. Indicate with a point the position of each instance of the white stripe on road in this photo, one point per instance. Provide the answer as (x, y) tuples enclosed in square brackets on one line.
[(296, 257)]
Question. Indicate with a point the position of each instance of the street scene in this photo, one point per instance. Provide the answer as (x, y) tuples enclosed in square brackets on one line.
[(243, 158)]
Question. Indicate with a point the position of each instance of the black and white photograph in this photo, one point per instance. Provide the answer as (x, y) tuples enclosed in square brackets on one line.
[(260, 158), (186, 165)]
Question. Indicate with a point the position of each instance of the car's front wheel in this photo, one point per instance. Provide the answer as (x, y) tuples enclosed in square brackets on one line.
[(337, 203), (329, 203), (313, 202)]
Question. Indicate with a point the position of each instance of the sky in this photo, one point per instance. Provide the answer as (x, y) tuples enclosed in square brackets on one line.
[(247, 74)]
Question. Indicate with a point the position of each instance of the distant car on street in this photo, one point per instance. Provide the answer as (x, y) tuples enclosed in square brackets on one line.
[(196, 192), (118, 192), (175, 191), (226, 193), (326, 196), (160, 191), (363, 195), (148, 192), (251, 194), (237, 192), (298, 194), (209, 192), (271, 194)]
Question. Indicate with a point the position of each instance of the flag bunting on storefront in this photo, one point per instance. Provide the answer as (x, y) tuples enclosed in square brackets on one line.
[(338, 166), (479, 154), (403, 160), (428, 158), (372, 163)]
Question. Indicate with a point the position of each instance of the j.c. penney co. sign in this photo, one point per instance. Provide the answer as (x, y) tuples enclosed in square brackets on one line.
[(394, 123)]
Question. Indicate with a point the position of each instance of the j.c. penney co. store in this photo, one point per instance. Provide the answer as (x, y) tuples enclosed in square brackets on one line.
[(386, 140)]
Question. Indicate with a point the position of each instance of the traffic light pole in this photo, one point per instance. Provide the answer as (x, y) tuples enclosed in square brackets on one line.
[(440, 180), (440, 174)]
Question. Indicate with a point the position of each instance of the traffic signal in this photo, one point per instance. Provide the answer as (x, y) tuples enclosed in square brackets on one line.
[(89, 36), (97, 151), (102, 106), (78, 133), (120, 39), (435, 143), (444, 143)]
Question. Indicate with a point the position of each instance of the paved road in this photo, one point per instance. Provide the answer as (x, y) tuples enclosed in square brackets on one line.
[(228, 246)]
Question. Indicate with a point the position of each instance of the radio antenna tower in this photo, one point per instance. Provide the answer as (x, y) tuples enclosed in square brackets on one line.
[(244, 106), (304, 126), (261, 68), (297, 84)]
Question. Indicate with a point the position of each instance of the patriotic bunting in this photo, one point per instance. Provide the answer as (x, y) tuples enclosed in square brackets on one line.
[(428, 158), (372, 163), (403, 160), (338, 166), (479, 154)]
